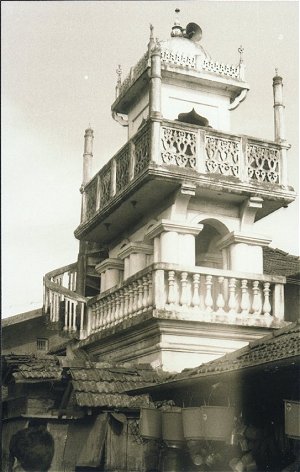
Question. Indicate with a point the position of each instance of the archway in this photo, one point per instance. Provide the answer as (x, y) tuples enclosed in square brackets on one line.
[(207, 252)]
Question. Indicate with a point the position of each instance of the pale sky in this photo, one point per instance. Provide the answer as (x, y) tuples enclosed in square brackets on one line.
[(59, 63)]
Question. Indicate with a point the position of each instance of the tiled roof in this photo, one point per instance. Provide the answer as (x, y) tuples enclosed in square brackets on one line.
[(281, 344), (277, 262), (111, 401), (104, 385), (47, 368)]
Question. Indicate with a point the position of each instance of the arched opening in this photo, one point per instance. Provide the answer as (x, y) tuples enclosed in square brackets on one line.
[(208, 253)]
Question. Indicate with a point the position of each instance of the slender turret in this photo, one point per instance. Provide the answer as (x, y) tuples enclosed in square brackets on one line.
[(279, 125), (88, 155)]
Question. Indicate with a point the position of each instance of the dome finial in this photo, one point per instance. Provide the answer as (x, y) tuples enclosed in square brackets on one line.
[(119, 74), (151, 43), (241, 51), (177, 30)]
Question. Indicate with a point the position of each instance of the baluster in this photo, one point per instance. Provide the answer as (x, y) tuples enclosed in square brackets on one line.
[(140, 296), (101, 315), (53, 305), (145, 293), (126, 303), (220, 302), (70, 316), (135, 298), (256, 302), (208, 297), (113, 310), (267, 305), (121, 308), (97, 316), (184, 294), (245, 300), (196, 297), (74, 280), (171, 298), (81, 320), (74, 306), (108, 311), (150, 290), (66, 315), (117, 309), (46, 300), (130, 301), (232, 301)]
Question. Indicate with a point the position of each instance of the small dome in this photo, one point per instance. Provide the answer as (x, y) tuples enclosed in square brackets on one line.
[(184, 46)]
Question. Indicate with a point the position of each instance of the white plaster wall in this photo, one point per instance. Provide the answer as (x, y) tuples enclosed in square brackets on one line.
[(213, 106), (200, 210), (136, 115)]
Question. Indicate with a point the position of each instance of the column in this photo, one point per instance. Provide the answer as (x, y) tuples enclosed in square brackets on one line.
[(245, 251), (174, 241), (111, 271), (134, 255)]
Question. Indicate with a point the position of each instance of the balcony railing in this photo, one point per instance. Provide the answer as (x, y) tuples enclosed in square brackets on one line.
[(195, 294), (61, 301), (206, 151)]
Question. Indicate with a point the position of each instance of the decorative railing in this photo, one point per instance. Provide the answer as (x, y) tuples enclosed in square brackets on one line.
[(205, 150), (196, 294), (183, 61), (134, 73), (61, 301), (115, 176)]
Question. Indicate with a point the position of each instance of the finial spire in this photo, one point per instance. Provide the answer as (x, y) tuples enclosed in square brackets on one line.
[(119, 74), (177, 30), (241, 51), (151, 43)]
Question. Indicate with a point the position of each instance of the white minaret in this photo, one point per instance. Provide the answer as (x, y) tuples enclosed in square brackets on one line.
[(279, 125), (88, 156)]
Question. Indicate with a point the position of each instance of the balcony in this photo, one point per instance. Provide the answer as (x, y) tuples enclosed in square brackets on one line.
[(167, 291), (63, 306), (163, 154)]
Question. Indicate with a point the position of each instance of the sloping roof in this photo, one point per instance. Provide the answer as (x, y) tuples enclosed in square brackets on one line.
[(281, 344), (47, 368), (104, 385), (277, 262), (21, 317)]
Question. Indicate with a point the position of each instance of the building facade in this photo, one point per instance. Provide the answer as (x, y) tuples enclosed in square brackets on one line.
[(170, 270)]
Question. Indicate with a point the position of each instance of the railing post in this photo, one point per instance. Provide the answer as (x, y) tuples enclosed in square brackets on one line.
[(243, 163), (278, 302), (81, 332), (159, 289), (113, 176), (200, 152), (283, 178), (131, 160)]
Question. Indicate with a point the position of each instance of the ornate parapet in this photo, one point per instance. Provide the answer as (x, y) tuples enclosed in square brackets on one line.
[(247, 164)]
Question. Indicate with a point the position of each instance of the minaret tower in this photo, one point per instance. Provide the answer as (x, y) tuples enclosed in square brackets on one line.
[(170, 262)]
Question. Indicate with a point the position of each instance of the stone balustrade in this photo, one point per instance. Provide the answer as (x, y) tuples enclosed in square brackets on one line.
[(204, 150), (61, 301), (196, 294)]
